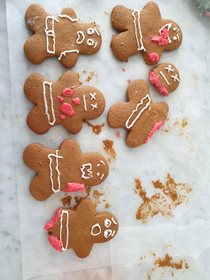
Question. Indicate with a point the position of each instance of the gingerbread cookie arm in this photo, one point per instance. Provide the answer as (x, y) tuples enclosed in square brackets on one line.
[(69, 58), (33, 87), (121, 18), (118, 115), (37, 190), (69, 14), (161, 110), (69, 79), (151, 9), (35, 17)]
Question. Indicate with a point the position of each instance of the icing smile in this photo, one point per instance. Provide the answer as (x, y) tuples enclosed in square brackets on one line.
[(80, 37), (87, 171)]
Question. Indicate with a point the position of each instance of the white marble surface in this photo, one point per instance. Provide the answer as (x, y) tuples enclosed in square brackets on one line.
[(185, 157)]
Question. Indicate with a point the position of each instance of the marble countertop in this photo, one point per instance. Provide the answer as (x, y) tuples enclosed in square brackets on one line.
[(177, 156)]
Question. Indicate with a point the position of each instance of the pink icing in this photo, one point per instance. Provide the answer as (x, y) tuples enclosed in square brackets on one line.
[(157, 126), (129, 81), (123, 69), (153, 57), (54, 220), (67, 92), (75, 187), (169, 206), (155, 80), (60, 98), (55, 242), (62, 117), (76, 100), (207, 14), (162, 40), (66, 108), (117, 134)]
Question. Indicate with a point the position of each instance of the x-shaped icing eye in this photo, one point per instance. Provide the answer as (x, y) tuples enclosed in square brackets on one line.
[(90, 31), (169, 69), (107, 223), (94, 106), (175, 78), (90, 42), (108, 233), (92, 96)]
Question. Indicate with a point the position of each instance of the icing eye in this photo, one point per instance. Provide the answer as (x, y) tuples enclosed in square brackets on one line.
[(175, 38), (90, 42), (99, 229), (108, 233), (107, 223), (90, 31)]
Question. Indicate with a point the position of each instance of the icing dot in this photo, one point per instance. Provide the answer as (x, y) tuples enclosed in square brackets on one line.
[(66, 108), (76, 100), (67, 92), (62, 117), (60, 99)]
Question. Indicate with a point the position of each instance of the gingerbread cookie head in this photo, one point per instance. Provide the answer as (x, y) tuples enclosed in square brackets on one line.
[(143, 31), (165, 77), (61, 36), (65, 169), (62, 102), (140, 115), (80, 228)]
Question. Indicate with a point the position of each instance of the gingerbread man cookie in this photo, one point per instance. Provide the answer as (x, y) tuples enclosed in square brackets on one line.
[(61, 36), (80, 228), (140, 115), (65, 169), (165, 77), (62, 102), (143, 31)]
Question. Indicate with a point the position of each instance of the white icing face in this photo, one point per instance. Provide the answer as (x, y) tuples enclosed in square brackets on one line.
[(87, 171), (96, 229), (89, 41), (176, 33), (92, 102)]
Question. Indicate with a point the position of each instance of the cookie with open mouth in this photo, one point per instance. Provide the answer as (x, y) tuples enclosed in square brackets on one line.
[(143, 31), (63, 102), (140, 115), (65, 169), (63, 36), (165, 77), (80, 228)]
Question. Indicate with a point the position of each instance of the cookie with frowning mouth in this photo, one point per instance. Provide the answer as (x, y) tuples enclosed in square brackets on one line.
[(139, 115), (65, 169), (165, 77), (63, 36), (80, 228)]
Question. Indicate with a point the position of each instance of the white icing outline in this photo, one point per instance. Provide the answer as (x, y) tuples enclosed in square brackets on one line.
[(164, 77), (79, 34), (50, 32), (94, 106), (114, 221), (108, 233), (169, 26), (178, 37), (85, 105), (97, 32), (107, 223), (89, 171), (169, 69), (92, 96), (90, 42), (135, 110), (56, 168), (96, 225), (65, 16), (175, 78), (67, 229), (102, 176), (45, 103), (90, 31), (175, 28), (139, 42), (64, 53), (95, 45), (102, 162)]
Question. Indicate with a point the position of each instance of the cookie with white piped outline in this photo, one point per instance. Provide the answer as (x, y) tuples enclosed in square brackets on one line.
[(63, 36), (79, 229), (139, 115), (165, 77), (61, 103), (65, 169)]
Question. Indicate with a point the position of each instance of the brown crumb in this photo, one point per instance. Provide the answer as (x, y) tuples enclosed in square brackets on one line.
[(90, 77), (96, 197), (107, 205), (153, 254), (106, 13), (78, 199), (96, 25), (84, 72), (172, 273), (66, 200), (186, 265), (168, 197), (176, 123), (109, 149), (95, 128), (148, 277), (184, 123), (168, 262), (16, 116)]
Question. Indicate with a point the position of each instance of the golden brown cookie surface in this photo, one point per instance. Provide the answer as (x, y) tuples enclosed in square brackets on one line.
[(62, 102), (61, 36), (165, 77), (143, 31), (140, 115), (65, 169)]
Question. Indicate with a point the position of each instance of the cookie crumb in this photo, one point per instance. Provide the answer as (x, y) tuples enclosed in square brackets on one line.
[(108, 147), (95, 128), (129, 81), (66, 200), (123, 69), (107, 205)]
